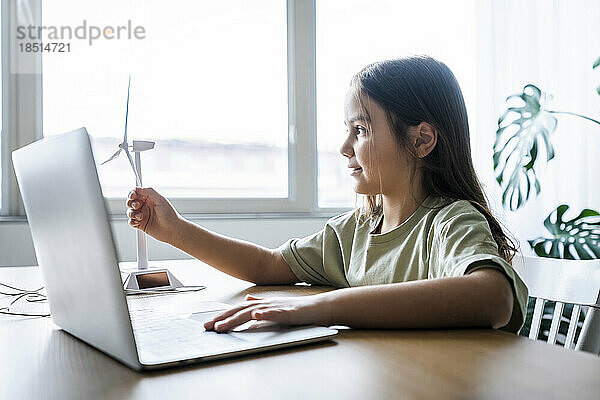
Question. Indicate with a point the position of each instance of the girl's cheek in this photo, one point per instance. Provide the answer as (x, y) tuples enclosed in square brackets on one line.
[(361, 156)]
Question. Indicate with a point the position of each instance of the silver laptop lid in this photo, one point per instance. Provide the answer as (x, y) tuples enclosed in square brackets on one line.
[(73, 242)]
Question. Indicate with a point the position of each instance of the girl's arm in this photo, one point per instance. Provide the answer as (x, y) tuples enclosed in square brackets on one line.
[(238, 258), (482, 298), (154, 214)]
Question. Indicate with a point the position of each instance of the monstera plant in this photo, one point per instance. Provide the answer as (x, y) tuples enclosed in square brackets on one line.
[(523, 136), (523, 144), (578, 236)]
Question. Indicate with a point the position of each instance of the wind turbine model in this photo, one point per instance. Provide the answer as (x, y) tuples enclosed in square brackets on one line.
[(143, 279)]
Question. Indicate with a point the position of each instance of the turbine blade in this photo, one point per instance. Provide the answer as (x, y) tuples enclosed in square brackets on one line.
[(138, 181), (127, 111), (112, 157)]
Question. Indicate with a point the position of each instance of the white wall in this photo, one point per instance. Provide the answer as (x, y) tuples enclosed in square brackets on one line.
[(16, 246)]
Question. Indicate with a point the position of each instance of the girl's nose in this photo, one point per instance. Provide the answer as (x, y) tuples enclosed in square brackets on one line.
[(346, 149)]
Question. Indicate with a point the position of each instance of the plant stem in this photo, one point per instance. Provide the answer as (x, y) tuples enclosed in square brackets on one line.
[(575, 114)]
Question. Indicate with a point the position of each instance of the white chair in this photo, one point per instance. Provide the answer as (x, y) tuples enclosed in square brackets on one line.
[(574, 282)]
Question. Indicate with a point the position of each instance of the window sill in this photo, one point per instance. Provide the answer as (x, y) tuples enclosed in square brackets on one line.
[(325, 214)]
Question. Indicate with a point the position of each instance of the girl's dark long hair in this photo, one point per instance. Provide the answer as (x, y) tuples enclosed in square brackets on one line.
[(421, 89)]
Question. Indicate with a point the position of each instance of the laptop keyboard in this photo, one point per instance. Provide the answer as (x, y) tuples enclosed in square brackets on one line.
[(169, 335)]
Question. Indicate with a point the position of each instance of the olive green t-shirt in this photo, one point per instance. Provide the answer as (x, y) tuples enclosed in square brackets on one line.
[(440, 239)]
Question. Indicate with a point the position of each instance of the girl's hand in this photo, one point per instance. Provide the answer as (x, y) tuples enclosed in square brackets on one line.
[(303, 310), (152, 213)]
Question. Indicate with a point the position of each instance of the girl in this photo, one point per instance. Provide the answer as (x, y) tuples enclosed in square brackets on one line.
[(423, 250)]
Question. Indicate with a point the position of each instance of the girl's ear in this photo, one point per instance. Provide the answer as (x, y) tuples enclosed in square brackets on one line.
[(424, 139)]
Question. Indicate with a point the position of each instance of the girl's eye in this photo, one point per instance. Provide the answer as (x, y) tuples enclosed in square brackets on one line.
[(361, 130)]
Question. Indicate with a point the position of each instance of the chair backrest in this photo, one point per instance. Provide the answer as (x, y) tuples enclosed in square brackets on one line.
[(574, 282)]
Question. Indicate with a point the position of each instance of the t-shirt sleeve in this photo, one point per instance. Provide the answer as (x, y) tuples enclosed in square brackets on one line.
[(318, 258), (305, 258), (465, 244)]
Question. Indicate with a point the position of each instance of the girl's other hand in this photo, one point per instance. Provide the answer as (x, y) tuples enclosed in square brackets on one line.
[(152, 213), (305, 310)]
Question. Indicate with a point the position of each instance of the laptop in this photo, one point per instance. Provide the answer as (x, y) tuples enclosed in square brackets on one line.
[(74, 245)]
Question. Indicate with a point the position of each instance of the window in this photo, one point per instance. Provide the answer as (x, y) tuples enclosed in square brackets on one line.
[(228, 91), (352, 34), (208, 84)]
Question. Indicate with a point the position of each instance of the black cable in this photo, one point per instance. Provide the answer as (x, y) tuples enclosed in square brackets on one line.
[(34, 296), (31, 296)]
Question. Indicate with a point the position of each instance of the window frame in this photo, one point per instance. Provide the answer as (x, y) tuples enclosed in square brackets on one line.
[(302, 197), (21, 102)]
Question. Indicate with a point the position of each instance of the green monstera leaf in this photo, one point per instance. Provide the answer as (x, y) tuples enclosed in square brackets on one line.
[(523, 133), (577, 238)]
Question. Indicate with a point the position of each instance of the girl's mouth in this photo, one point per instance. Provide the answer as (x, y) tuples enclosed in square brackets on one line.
[(356, 171)]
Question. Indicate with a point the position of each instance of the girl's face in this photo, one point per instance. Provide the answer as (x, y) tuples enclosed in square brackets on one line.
[(377, 162)]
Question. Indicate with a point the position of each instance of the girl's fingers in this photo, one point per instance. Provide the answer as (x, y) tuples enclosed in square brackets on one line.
[(137, 225), (143, 193), (135, 215), (284, 311), (138, 193), (272, 314), (134, 203), (210, 324), (236, 319)]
